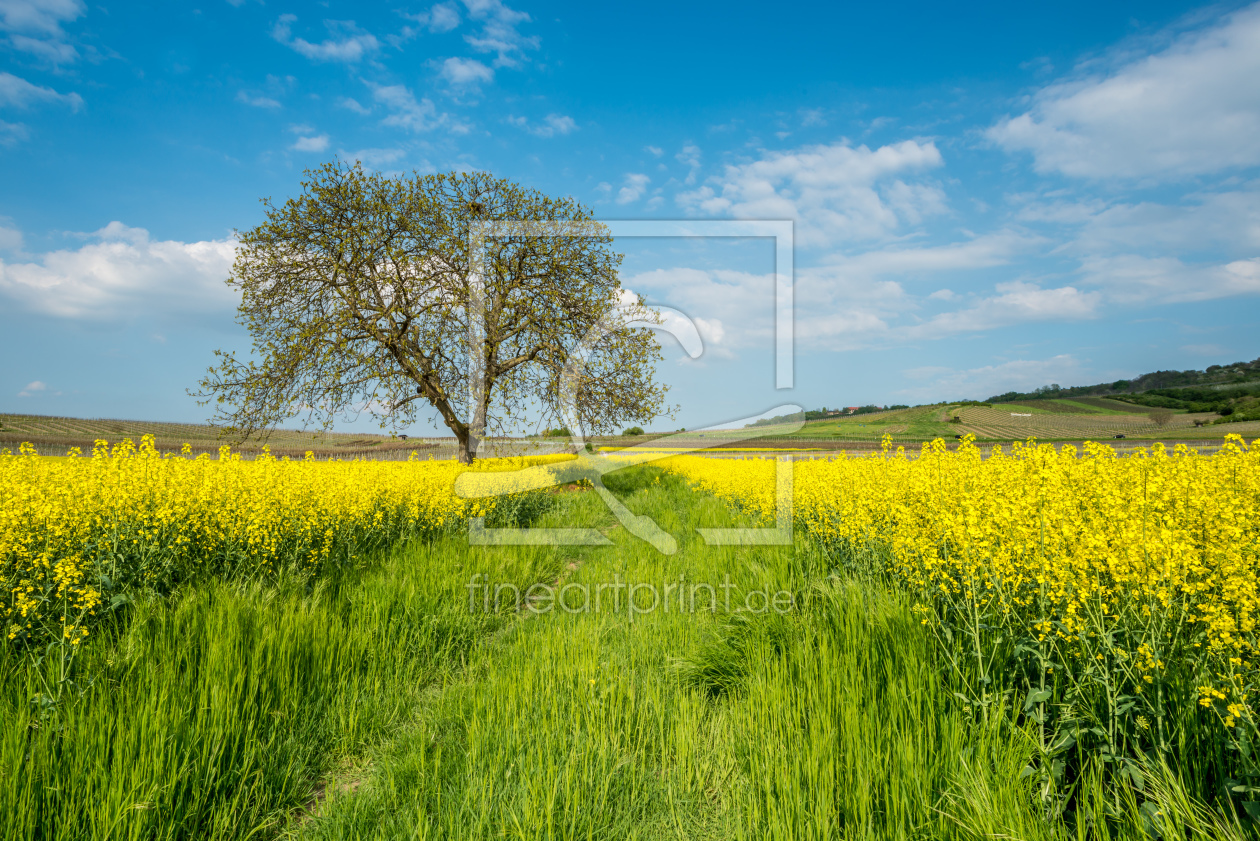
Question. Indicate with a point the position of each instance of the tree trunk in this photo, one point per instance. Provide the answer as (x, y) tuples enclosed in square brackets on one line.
[(465, 447)]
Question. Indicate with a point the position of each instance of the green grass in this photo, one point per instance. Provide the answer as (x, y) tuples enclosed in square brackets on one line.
[(221, 712), (918, 423), (832, 721), (215, 714)]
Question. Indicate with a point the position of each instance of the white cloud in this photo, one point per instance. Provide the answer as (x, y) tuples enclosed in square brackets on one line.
[(689, 156), (443, 17), (834, 192), (1016, 302), (854, 301), (11, 133), (348, 43), (353, 105), (16, 92), (34, 27), (498, 32), (1015, 375), (40, 16), (466, 72), (33, 388), (409, 113), (636, 184), (735, 307), (995, 249), (1133, 279), (1192, 108), (1228, 220), (551, 125), (53, 52), (655, 151), (1141, 253), (311, 144), (710, 330), (256, 101), (861, 301), (123, 273)]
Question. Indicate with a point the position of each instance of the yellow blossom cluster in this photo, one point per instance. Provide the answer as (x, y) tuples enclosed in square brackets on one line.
[(1097, 562), (77, 531)]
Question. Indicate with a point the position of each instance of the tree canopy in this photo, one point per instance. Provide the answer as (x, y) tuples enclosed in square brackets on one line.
[(362, 295)]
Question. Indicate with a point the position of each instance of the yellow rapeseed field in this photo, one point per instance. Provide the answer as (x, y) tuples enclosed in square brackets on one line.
[(1100, 574), (75, 530)]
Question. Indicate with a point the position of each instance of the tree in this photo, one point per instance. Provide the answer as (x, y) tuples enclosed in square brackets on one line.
[(359, 295), (1161, 417)]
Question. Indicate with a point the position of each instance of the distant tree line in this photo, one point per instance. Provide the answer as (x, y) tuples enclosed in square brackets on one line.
[(1232, 374), (1231, 391)]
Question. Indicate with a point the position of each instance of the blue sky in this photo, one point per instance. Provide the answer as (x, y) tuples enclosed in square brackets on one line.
[(989, 198)]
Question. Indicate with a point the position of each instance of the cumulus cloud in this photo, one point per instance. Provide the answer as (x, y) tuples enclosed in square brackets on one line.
[(1229, 220), (868, 300), (1133, 279), (11, 133), (348, 43), (466, 72), (317, 143), (550, 126), (995, 249), (498, 32), (1185, 110), (16, 92), (43, 17), (1200, 248), (353, 105), (1014, 375), (121, 273), (710, 330), (256, 100), (34, 26), (442, 17), (33, 388), (417, 115), (689, 156), (1016, 302), (834, 193), (635, 186), (736, 308), (53, 52)]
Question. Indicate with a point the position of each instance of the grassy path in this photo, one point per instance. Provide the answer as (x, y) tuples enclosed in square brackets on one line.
[(827, 721), (217, 712)]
